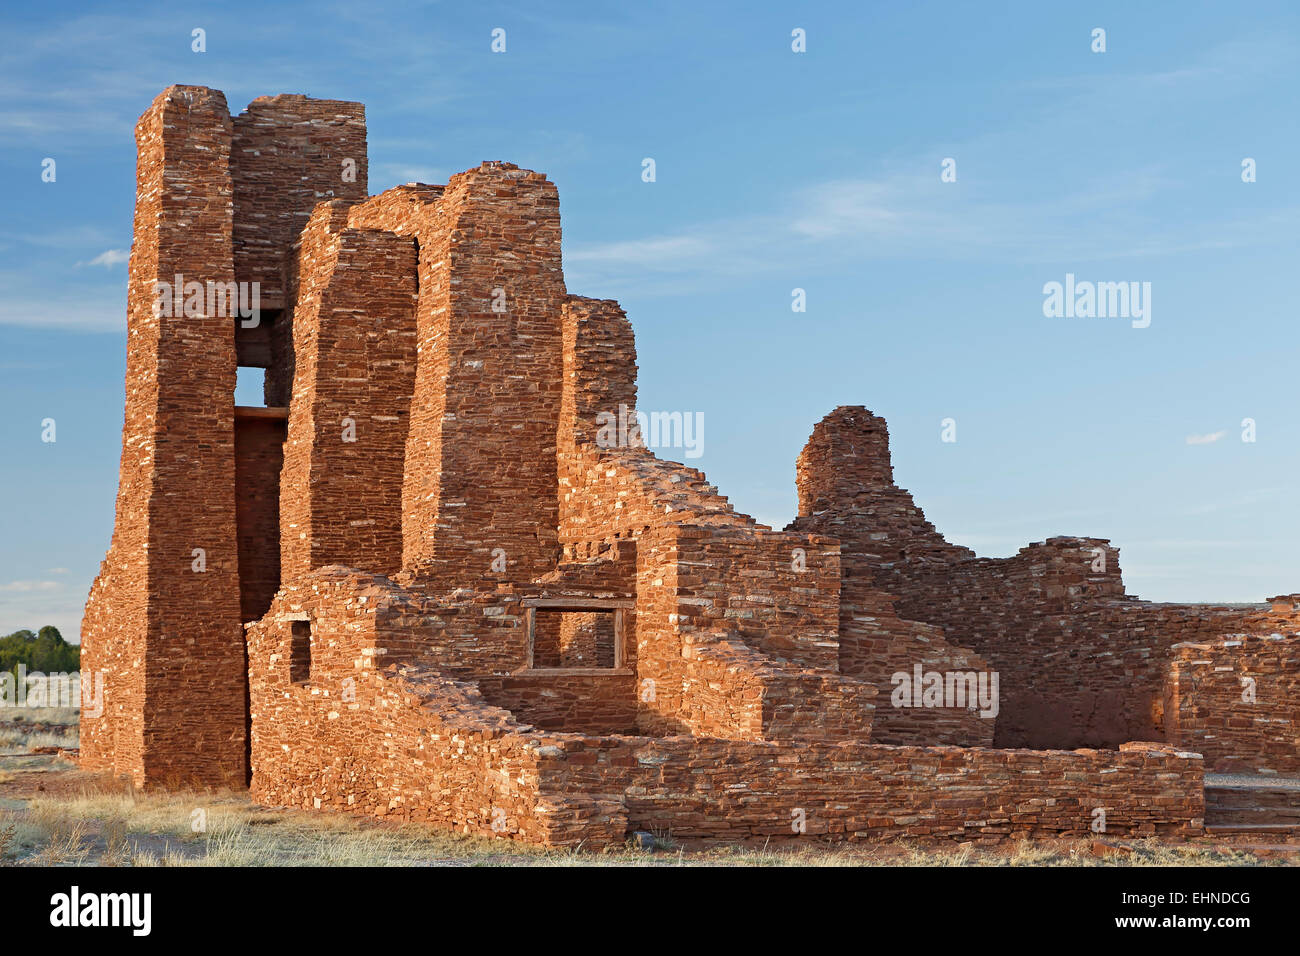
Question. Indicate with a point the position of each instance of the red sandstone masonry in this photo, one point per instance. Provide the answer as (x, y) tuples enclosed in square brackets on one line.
[(259, 456), (478, 630), (354, 342), (289, 153), (881, 645), (167, 637), (403, 210), (733, 692), (696, 673), (614, 491), (480, 459), (446, 756), (605, 495), (572, 703), (402, 742), (392, 673), (1237, 701), (778, 592), (840, 471), (373, 730), (727, 791), (1086, 671), (875, 644), (574, 639), (599, 368), (1080, 663)]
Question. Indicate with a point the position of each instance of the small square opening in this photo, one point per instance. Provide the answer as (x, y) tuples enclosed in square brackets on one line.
[(575, 638), (300, 652)]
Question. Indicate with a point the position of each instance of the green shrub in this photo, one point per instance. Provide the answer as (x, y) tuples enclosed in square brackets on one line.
[(46, 651)]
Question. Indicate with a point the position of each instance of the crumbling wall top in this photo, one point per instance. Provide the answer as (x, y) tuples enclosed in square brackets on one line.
[(846, 456)]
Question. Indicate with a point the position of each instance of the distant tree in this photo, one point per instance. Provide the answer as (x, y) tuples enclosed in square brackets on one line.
[(44, 651)]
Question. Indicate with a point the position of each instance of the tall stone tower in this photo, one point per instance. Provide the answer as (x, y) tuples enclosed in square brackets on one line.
[(194, 552)]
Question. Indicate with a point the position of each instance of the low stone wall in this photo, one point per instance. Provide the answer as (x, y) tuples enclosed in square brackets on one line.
[(732, 791), (1090, 674)]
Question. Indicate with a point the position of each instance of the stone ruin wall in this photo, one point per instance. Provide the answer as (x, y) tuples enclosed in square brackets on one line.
[(259, 460), (1081, 663), (449, 756), (218, 200), (1236, 700), (165, 635), (575, 639), (708, 644), (876, 640), (353, 323), (610, 490), (747, 651), (288, 153), (481, 451), (1077, 671)]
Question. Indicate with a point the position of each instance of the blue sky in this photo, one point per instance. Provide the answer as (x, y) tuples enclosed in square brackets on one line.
[(774, 171)]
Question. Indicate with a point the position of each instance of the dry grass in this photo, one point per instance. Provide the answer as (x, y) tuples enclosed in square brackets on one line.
[(110, 825), (67, 716), (12, 739), (24, 728)]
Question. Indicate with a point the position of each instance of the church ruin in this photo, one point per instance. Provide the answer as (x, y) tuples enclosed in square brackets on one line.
[(417, 584)]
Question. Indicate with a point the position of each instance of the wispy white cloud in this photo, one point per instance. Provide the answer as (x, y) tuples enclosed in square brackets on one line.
[(1222, 71), (1208, 439), (89, 311), (67, 238), (125, 59), (25, 587), (913, 214), (32, 603), (993, 213), (35, 608), (665, 252), (109, 258)]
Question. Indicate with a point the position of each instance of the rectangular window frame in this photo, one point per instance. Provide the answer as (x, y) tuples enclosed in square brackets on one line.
[(620, 607)]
